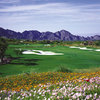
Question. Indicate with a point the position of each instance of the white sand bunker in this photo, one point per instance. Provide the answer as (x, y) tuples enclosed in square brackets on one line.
[(40, 52), (97, 50), (73, 47), (47, 45), (82, 48)]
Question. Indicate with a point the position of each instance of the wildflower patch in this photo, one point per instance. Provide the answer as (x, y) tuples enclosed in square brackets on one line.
[(51, 86)]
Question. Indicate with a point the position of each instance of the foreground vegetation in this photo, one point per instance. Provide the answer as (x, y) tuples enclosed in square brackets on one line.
[(51, 86)]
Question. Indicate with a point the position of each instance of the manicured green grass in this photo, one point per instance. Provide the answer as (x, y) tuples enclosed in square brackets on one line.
[(73, 59)]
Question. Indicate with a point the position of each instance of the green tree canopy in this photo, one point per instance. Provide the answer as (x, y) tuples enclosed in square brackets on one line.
[(3, 47)]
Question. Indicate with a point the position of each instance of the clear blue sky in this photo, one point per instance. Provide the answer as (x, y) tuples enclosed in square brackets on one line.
[(80, 17)]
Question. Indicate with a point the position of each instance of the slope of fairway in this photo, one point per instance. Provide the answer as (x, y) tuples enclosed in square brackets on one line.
[(73, 59)]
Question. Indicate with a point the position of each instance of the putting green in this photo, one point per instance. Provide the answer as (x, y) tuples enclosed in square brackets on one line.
[(73, 59)]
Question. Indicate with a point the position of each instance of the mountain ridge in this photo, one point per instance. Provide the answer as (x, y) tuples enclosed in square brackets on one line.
[(36, 35)]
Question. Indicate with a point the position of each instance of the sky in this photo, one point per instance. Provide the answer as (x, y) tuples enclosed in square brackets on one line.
[(80, 17)]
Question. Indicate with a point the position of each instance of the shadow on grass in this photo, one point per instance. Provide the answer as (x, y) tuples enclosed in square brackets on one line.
[(1, 73), (31, 60), (25, 61)]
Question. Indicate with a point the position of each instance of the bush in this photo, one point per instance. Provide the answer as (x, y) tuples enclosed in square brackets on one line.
[(63, 69), (18, 52), (3, 47), (97, 43)]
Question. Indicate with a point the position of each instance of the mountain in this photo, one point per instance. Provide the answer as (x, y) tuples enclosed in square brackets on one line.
[(36, 35)]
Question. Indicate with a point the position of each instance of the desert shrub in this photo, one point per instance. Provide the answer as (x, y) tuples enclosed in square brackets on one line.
[(97, 43), (18, 52), (64, 69)]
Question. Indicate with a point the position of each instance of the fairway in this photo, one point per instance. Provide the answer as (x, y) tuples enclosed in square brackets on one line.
[(74, 59)]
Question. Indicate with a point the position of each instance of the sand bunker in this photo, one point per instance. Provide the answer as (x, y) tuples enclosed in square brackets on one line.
[(47, 45), (97, 50), (73, 47), (82, 48), (40, 52)]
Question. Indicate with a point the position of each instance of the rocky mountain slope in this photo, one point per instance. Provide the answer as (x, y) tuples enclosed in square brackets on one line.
[(36, 35)]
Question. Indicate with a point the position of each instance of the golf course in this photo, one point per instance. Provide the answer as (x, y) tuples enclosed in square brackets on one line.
[(33, 71), (57, 57)]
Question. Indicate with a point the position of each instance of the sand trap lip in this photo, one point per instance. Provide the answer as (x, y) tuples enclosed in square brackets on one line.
[(40, 52)]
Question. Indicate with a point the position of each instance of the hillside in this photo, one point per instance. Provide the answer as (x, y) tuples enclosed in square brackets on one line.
[(36, 35)]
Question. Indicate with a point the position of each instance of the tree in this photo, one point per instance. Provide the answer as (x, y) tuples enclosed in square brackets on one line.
[(3, 47), (97, 43)]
